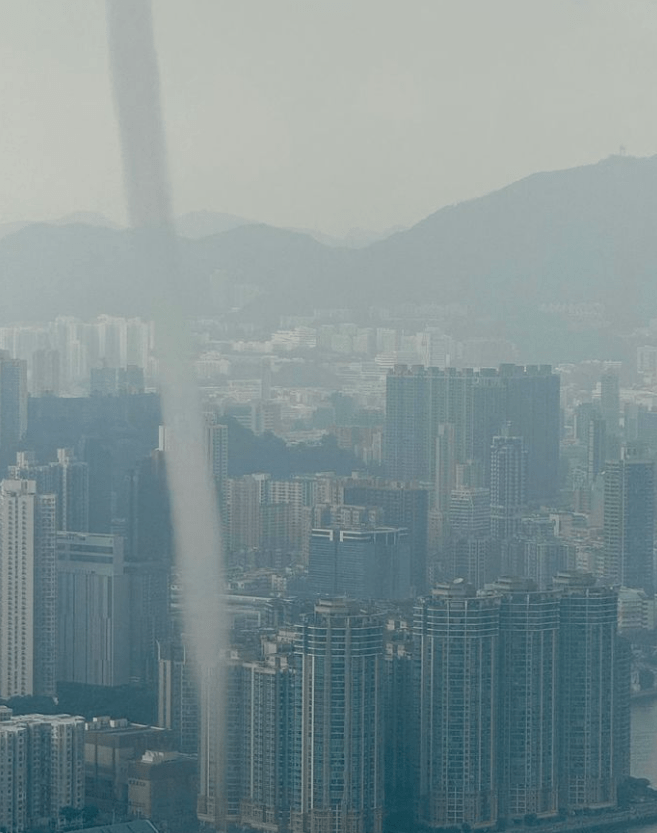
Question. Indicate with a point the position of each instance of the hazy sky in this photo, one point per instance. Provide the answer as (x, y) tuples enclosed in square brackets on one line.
[(327, 114)]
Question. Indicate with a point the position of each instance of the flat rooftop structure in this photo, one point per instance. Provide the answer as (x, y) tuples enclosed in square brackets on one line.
[(136, 826)]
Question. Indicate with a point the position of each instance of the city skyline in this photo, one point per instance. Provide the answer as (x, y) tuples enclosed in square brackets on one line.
[(328, 533), (414, 77)]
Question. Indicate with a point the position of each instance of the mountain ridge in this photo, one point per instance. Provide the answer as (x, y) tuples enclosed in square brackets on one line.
[(579, 235)]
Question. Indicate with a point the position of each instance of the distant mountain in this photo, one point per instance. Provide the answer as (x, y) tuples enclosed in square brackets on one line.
[(584, 236), (7, 229), (579, 235), (86, 218), (357, 238), (196, 224)]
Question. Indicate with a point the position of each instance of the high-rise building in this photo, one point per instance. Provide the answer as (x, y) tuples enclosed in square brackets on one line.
[(404, 505), (596, 447), (72, 492), (337, 745), (361, 563), (457, 689), (508, 486), (41, 769), (535, 552), (533, 413), (97, 454), (528, 743), (408, 437), (610, 401), (593, 711), (150, 537), (245, 738), (221, 748), (67, 478), (216, 449), (629, 511), (266, 738), (245, 496), (178, 695), (28, 591), (476, 405), (149, 564), (93, 613), (399, 706), (13, 407), (469, 550), (104, 381), (45, 373), (489, 416), (299, 494)]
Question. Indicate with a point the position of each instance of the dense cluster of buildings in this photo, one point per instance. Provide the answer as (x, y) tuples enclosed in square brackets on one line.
[(436, 636), (467, 709)]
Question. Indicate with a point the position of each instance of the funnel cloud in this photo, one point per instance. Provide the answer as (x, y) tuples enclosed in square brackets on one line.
[(136, 85)]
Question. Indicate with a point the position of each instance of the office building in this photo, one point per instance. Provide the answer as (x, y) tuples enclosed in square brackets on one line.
[(629, 511), (361, 563), (110, 746), (93, 613), (162, 787), (28, 591), (337, 744)]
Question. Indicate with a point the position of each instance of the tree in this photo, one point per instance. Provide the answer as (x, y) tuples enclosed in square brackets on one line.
[(70, 815), (89, 814)]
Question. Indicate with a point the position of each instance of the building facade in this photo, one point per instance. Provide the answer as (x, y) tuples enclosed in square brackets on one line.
[(28, 591), (629, 512), (456, 654), (594, 683), (336, 757), (41, 769), (361, 563), (93, 610)]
